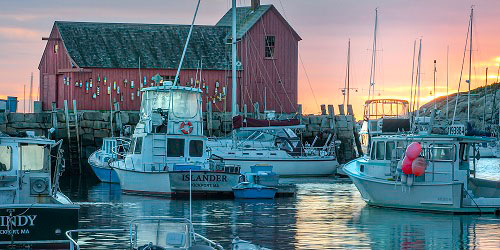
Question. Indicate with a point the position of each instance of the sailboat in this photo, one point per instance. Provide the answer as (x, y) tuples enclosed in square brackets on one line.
[(270, 142)]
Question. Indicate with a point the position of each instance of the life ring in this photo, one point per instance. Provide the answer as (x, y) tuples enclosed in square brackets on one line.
[(186, 128)]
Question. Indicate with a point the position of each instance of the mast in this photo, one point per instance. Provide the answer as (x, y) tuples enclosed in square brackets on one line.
[(418, 78), (485, 95), (233, 60), (371, 90), (447, 97), (348, 68), (470, 63), (435, 102), (412, 73)]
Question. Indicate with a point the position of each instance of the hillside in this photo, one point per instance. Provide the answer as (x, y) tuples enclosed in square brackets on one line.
[(477, 107)]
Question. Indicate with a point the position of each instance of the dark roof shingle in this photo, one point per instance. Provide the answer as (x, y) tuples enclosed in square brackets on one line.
[(245, 18), (119, 45)]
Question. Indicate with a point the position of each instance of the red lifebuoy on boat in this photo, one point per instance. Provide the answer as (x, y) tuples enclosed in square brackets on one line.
[(186, 128)]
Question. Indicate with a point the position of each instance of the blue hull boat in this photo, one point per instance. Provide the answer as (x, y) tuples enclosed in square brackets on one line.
[(107, 175), (247, 190)]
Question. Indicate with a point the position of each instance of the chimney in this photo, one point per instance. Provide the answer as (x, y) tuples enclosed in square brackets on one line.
[(255, 4)]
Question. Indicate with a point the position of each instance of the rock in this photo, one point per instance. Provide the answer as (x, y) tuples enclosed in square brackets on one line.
[(133, 118), (125, 118), (101, 133), (100, 125), (87, 139), (30, 118), (16, 117), (3, 118), (93, 116), (86, 124), (25, 125), (105, 116), (60, 117)]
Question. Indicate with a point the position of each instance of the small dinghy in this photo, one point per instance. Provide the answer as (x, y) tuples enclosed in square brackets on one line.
[(247, 190)]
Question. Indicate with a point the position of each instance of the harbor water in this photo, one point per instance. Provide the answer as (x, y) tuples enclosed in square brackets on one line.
[(327, 213)]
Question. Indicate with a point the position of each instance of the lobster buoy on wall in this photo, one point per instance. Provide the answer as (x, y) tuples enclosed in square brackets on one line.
[(418, 166), (186, 128)]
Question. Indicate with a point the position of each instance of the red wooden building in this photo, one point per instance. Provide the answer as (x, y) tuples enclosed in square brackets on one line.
[(99, 63)]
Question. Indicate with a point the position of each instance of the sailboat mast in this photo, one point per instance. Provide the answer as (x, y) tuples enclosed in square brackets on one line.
[(435, 101), (412, 74), (470, 64), (485, 95), (348, 68), (371, 91), (417, 97), (447, 97), (233, 60)]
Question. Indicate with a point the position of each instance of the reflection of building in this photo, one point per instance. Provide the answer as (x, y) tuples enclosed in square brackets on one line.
[(94, 63)]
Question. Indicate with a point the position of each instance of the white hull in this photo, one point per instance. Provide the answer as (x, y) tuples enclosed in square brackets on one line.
[(439, 197), (149, 183), (290, 167)]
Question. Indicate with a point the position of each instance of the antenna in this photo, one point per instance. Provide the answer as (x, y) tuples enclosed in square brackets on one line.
[(447, 96), (186, 45), (435, 101)]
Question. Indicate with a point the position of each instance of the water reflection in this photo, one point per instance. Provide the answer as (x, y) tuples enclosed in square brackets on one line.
[(325, 214)]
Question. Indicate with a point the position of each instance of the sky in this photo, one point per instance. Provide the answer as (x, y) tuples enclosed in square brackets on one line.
[(324, 25)]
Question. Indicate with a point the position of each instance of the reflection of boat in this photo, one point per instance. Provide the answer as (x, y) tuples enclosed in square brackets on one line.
[(259, 142), (396, 229), (100, 159), (156, 233), (33, 212), (449, 183)]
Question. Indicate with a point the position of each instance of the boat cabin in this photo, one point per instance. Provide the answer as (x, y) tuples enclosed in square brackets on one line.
[(170, 129), (25, 170), (383, 116)]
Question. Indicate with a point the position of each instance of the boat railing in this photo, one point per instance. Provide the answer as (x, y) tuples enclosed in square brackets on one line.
[(132, 230)]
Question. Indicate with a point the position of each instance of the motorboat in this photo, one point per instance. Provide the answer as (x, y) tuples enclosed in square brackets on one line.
[(153, 233), (274, 142), (168, 154), (446, 183), (99, 160), (34, 213), (248, 190)]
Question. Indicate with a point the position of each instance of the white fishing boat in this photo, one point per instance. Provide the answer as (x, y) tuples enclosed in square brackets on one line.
[(34, 213), (448, 184), (273, 142), (168, 147)]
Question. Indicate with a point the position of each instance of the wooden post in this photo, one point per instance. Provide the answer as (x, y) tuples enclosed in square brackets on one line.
[(349, 110), (245, 110), (341, 109), (299, 110), (118, 118), (256, 110), (77, 129), (209, 118), (54, 118), (323, 109)]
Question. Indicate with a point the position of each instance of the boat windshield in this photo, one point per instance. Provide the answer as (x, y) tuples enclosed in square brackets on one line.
[(181, 103), (32, 157)]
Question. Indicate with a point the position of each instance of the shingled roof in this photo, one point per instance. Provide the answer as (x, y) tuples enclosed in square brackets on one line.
[(119, 45), (246, 18)]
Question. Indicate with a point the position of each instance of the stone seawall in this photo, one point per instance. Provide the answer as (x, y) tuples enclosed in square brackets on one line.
[(95, 125)]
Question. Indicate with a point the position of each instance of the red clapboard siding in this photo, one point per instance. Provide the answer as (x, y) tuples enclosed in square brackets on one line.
[(258, 74)]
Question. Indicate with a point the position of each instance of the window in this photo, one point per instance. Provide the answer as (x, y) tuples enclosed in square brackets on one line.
[(464, 152), (138, 145), (168, 78), (196, 148), (389, 147), (441, 152), (56, 48), (380, 150), (373, 150), (5, 158), (175, 147), (32, 157), (270, 41)]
